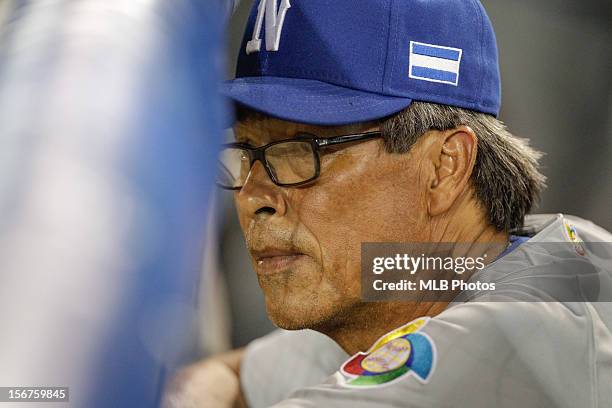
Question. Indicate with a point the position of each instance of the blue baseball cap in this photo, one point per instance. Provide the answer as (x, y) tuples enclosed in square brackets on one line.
[(337, 62)]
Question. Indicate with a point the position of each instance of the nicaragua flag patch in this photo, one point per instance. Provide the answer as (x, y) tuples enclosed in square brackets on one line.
[(435, 63)]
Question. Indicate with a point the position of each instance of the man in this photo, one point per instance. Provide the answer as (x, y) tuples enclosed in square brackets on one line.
[(376, 122)]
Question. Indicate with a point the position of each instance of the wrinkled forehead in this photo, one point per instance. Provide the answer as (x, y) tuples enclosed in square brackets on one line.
[(259, 128)]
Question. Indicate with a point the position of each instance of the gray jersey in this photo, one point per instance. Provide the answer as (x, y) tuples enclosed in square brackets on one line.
[(474, 354)]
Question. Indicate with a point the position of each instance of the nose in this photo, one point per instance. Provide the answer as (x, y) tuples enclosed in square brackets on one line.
[(259, 194)]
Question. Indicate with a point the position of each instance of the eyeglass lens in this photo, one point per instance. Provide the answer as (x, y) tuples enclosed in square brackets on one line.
[(290, 162)]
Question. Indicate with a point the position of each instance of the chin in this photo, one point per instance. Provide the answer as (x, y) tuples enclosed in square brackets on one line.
[(288, 323), (314, 312), (294, 315), (304, 299)]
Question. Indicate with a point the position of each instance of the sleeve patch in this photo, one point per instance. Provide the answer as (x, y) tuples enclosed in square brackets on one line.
[(404, 351)]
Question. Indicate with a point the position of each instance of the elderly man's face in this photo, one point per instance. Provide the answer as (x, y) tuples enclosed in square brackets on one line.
[(305, 241)]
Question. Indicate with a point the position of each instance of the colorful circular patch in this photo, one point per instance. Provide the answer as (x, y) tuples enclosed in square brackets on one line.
[(401, 352)]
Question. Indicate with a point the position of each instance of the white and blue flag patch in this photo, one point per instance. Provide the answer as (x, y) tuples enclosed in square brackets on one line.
[(435, 63)]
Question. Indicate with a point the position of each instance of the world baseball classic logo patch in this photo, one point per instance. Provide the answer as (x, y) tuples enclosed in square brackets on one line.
[(402, 352)]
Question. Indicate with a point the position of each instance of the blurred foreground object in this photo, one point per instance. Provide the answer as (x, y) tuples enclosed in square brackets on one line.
[(108, 122)]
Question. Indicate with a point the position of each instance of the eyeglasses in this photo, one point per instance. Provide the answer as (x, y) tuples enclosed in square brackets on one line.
[(289, 163)]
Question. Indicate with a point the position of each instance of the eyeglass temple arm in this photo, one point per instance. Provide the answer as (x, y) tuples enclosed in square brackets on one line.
[(347, 138)]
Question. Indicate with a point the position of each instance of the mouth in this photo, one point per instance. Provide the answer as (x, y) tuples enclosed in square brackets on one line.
[(271, 261)]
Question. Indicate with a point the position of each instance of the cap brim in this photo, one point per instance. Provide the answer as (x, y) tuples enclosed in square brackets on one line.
[(309, 101)]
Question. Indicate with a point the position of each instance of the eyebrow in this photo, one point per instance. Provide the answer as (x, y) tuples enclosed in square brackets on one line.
[(248, 137), (240, 139)]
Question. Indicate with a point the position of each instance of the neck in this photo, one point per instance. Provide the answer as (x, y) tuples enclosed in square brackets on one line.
[(370, 321), (359, 328), (465, 224)]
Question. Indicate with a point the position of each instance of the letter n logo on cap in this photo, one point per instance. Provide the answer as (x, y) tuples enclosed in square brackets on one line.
[(274, 25)]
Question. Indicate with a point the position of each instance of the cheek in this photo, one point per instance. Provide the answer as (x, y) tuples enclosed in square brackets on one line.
[(374, 206), (344, 211)]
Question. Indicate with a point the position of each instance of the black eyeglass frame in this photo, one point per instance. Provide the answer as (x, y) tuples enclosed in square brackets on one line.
[(317, 143)]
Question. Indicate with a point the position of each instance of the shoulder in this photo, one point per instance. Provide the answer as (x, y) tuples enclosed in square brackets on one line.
[(480, 355)]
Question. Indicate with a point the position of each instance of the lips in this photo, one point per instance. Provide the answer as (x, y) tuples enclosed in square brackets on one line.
[(274, 260)]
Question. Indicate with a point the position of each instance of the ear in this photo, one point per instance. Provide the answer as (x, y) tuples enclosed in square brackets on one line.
[(453, 157)]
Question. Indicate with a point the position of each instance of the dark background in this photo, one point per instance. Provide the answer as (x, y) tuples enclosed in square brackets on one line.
[(556, 66)]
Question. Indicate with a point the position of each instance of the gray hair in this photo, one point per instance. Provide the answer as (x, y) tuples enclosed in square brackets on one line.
[(506, 175)]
